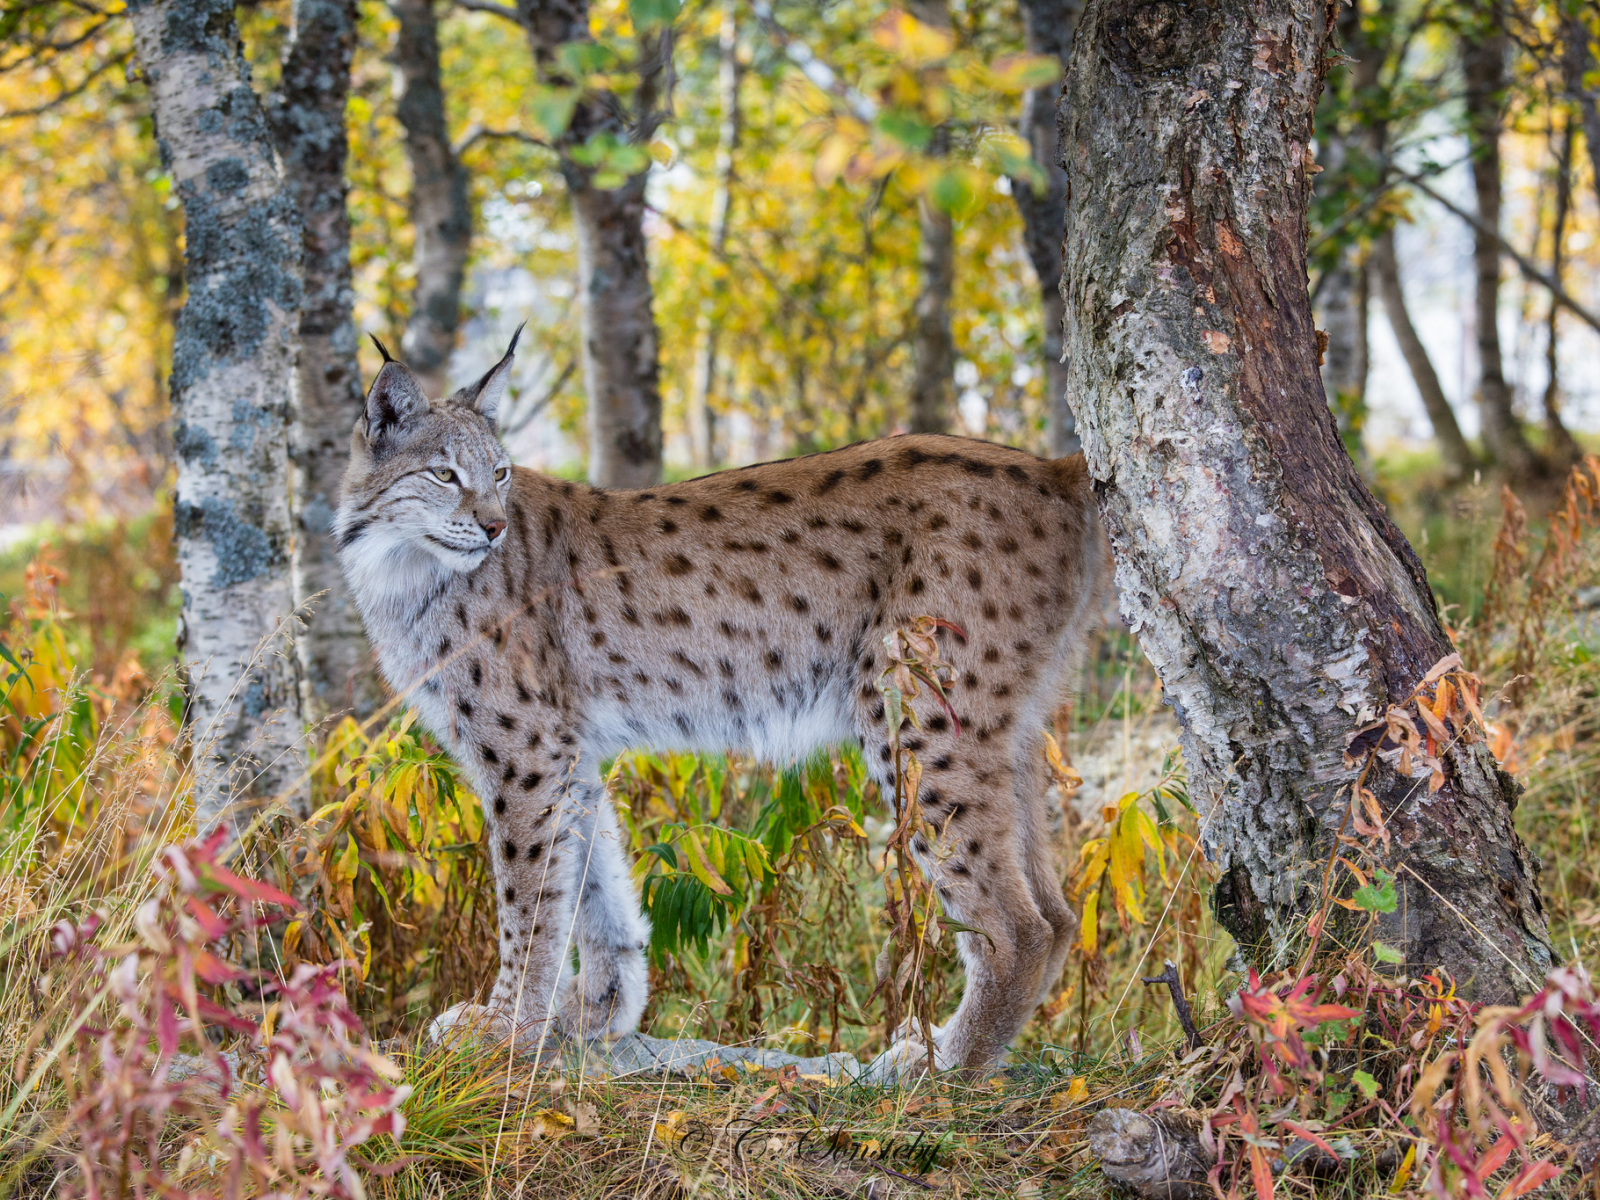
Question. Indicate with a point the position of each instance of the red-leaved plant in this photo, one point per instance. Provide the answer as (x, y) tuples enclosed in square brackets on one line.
[(145, 1120)]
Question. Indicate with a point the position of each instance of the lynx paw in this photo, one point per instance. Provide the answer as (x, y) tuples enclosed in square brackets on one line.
[(483, 1025), (906, 1059), (605, 999), (464, 1022)]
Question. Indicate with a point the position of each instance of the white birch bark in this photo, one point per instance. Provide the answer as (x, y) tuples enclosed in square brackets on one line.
[(233, 379)]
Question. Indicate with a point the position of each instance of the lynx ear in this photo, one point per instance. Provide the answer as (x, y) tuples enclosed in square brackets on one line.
[(395, 398), (486, 394)]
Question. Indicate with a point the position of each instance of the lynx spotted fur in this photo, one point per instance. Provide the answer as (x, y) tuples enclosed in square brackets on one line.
[(542, 626)]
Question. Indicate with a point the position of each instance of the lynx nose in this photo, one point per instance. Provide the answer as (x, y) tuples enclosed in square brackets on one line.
[(492, 528)]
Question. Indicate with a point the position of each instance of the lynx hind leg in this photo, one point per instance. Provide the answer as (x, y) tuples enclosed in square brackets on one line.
[(613, 982), (1044, 878), (980, 870)]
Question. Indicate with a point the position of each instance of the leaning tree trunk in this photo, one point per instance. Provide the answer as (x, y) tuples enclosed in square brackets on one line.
[(441, 215), (1047, 27), (1279, 604), (232, 387), (620, 356), (1483, 56), (1457, 456), (1366, 80), (1560, 445), (308, 123), (933, 347)]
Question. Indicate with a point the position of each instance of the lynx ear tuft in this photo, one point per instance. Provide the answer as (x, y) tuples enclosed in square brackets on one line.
[(486, 394), (395, 398), (382, 349)]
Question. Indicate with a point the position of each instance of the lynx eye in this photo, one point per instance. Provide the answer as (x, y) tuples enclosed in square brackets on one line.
[(444, 474), (500, 474)]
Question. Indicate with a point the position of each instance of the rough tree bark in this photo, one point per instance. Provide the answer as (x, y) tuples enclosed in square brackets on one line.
[(1047, 27), (1277, 601), (1366, 70), (307, 114), (1456, 455), (1483, 63), (232, 384), (702, 440), (441, 215), (933, 347), (621, 368)]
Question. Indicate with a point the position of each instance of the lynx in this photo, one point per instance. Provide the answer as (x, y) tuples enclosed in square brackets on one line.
[(542, 626)]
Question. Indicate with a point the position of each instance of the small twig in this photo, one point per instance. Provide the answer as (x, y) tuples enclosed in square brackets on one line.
[(477, 133), (1174, 984), (503, 11)]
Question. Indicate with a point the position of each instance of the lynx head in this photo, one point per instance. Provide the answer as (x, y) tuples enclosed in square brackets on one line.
[(427, 481)]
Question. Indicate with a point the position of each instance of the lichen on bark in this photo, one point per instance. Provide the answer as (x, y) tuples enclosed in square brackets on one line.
[(1279, 604), (232, 391)]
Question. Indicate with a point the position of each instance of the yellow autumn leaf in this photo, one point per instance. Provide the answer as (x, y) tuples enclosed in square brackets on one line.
[(700, 867)]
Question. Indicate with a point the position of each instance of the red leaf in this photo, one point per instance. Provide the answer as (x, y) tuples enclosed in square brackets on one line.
[(247, 889), (1261, 1172), (213, 926), (167, 1030), (213, 970), (1530, 1177), (1496, 1156), (1319, 1143)]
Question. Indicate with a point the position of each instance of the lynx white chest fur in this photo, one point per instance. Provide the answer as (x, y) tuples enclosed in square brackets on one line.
[(541, 626)]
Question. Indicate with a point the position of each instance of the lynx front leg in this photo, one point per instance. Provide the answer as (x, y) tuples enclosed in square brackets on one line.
[(535, 854), (613, 982)]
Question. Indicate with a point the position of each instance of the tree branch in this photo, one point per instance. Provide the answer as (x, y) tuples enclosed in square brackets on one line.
[(1531, 272), (504, 12), (115, 60), (477, 133)]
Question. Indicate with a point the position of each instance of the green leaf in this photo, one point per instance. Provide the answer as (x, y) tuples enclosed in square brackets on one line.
[(1379, 896), (1387, 954), (649, 13), (907, 128), (1367, 1084), (549, 110), (952, 191)]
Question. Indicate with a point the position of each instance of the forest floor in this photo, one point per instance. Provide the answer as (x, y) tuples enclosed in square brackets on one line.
[(397, 892)]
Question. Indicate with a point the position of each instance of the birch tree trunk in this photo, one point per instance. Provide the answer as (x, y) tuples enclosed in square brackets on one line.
[(1269, 589), (702, 428), (620, 356), (1047, 27), (1483, 58), (441, 214), (308, 119), (232, 387)]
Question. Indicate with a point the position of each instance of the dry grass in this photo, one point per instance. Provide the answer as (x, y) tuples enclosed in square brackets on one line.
[(389, 876)]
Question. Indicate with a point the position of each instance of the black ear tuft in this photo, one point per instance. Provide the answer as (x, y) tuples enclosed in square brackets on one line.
[(382, 349), (485, 395)]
